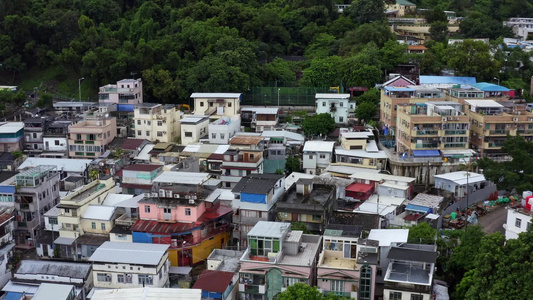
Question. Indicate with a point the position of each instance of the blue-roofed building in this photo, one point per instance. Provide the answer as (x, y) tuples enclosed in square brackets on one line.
[(445, 81), (255, 197)]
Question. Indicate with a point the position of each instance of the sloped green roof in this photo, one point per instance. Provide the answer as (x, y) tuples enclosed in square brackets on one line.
[(405, 2)]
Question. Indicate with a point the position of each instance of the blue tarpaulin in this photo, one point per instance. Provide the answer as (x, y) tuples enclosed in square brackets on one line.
[(418, 208), (426, 153), (141, 237), (490, 87), (13, 296), (253, 198), (125, 107)]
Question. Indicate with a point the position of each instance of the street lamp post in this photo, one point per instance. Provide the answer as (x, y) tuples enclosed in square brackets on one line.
[(497, 79), (79, 86), (278, 97)]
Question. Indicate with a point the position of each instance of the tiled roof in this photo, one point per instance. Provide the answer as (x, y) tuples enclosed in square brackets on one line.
[(246, 140), (214, 281), (257, 183), (132, 144)]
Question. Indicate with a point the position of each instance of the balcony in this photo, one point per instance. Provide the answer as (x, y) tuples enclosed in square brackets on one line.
[(252, 289), (524, 131), (499, 132), (28, 224), (125, 220), (426, 145), (425, 132), (454, 145), (190, 240), (455, 132)]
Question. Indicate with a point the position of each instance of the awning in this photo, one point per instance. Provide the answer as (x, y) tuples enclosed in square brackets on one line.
[(426, 153), (64, 241), (418, 208), (180, 270), (458, 153)]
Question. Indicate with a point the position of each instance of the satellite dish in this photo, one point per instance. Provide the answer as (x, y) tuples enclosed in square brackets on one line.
[(107, 115)]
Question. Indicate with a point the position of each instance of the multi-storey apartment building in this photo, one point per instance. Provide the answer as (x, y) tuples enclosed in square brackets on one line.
[(492, 122), (317, 156), (217, 104), (244, 157), (433, 125), (55, 139), (276, 258), (11, 136), (193, 128), (359, 149), (522, 27), (223, 129), (125, 91), (392, 97), (256, 196), (90, 137), (347, 263), (156, 122), (38, 191), (34, 129), (338, 105), (138, 178), (186, 214)]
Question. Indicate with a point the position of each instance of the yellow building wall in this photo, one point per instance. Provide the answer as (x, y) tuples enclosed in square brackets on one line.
[(200, 252)]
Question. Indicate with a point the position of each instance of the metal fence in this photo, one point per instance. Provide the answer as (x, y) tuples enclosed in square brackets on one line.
[(288, 96)]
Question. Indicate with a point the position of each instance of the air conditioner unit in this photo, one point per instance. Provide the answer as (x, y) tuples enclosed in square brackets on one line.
[(128, 276), (191, 201), (147, 194), (456, 119), (154, 194), (444, 119), (474, 134), (177, 196), (515, 119), (150, 277), (169, 194), (450, 118)]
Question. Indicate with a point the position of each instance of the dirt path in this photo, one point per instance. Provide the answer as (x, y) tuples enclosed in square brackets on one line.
[(493, 221)]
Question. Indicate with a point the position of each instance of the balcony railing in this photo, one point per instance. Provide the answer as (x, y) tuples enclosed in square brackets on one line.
[(426, 145), (427, 132), (454, 145), (452, 132), (523, 131), (499, 131)]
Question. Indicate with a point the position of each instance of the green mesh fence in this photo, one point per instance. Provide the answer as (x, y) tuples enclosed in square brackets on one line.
[(288, 96)]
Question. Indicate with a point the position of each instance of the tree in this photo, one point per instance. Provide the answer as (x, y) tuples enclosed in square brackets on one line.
[(372, 95), (355, 40), (292, 164), (515, 174), (365, 111), (319, 124), (473, 58), (435, 15), (464, 255), (17, 154), (479, 25), (300, 291), (323, 72), (393, 54), (422, 233), (300, 226), (439, 31), (366, 11)]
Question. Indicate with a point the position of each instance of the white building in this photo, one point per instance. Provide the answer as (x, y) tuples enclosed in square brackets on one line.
[(216, 104), (338, 105), (518, 221), (130, 265), (223, 129), (521, 26), (317, 156), (456, 182), (125, 91), (156, 122), (147, 293), (193, 128), (260, 118)]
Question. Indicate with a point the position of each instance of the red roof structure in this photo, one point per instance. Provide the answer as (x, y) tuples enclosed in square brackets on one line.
[(360, 187), (132, 144), (214, 281)]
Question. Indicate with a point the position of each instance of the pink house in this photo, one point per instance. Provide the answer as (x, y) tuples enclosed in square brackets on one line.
[(275, 259), (399, 81), (347, 264)]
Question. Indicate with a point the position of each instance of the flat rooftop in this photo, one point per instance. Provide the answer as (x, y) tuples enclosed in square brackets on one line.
[(310, 244), (229, 259), (182, 177), (269, 229), (318, 196), (132, 253)]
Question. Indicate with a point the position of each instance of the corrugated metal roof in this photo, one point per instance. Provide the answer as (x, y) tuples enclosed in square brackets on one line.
[(99, 212), (56, 268), (62, 164), (490, 87), (332, 96), (182, 177), (269, 229), (129, 253), (319, 146), (214, 281), (216, 95), (246, 140), (428, 79)]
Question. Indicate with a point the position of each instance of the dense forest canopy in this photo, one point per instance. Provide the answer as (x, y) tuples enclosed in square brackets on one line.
[(219, 45)]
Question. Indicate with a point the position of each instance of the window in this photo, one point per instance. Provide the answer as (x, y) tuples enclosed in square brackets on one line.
[(283, 215), (102, 225), (202, 104), (288, 281), (147, 133), (103, 277), (323, 103), (310, 156), (56, 142), (341, 119), (222, 136), (159, 123), (160, 133), (67, 210), (341, 104), (317, 217), (417, 297), (121, 278), (229, 104), (146, 279), (365, 288), (211, 104), (322, 156), (147, 209), (138, 122), (148, 123), (139, 132), (528, 225), (213, 135), (518, 222), (167, 210), (337, 286), (395, 296), (188, 134), (187, 211), (53, 221), (93, 225)]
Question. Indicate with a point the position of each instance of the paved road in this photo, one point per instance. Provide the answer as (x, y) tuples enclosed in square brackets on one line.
[(493, 221)]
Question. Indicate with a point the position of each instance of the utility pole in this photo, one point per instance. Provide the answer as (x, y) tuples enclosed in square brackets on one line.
[(79, 86)]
